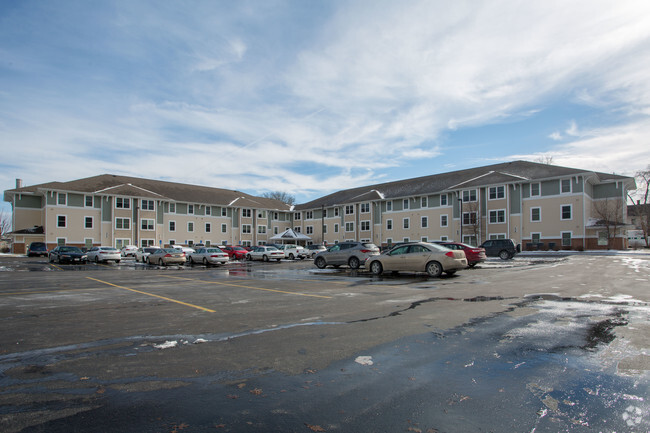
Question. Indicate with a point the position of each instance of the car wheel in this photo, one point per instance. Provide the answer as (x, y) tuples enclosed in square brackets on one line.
[(434, 269), (205, 261), (376, 268), (265, 258), (249, 257), (191, 260), (96, 259), (354, 263), (471, 265), (160, 262), (504, 255), (291, 257), (51, 260), (320, 263)]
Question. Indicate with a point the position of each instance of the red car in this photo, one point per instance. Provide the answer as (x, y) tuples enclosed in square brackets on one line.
[(234, 252), (474, 254)]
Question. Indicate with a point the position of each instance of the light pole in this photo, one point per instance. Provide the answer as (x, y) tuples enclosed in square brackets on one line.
[(460, 202)]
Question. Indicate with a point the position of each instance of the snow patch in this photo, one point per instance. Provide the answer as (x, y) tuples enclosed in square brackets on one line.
[(364, 360), (166, 345)]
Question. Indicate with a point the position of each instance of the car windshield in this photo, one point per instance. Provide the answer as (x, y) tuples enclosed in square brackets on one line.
[(70, 250)]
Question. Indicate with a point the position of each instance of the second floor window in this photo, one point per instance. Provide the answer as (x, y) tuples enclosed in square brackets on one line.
[(365, 207), (469, 195), (123, 223), (497, 192), (122, 203), (147, 204), (146, 224), (349, 209)]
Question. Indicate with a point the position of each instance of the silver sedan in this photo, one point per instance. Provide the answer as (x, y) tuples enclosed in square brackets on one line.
[(418, 257)]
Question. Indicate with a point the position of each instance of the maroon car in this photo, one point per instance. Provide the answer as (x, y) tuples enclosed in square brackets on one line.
[(474, 254), (234, 252)]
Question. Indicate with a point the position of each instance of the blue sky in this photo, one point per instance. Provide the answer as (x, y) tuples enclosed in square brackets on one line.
[(309, 97)]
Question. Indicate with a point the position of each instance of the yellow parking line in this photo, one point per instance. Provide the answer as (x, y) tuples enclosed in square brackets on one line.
[(249, 287), (43, 291), (155, 296), (55, 266)]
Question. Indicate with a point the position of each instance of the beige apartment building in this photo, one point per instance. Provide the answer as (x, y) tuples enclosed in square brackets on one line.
[(118, 210), (539, 206)]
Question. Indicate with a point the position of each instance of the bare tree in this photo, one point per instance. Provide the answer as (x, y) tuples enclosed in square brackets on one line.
[(610, 214), (284, 197), (5, 223), (472, 224), (640, 202), (545, 159)]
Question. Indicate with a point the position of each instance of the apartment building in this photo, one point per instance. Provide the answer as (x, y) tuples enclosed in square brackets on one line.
[(119, 210), (540, 206)]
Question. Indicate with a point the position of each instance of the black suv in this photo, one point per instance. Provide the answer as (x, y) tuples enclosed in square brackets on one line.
[(37, 249), (504, 248)]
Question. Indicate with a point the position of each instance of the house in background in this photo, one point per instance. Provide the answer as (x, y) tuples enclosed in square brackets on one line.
[(539, 206)]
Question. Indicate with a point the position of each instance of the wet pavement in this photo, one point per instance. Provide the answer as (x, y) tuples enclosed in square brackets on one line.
[(547, 346)]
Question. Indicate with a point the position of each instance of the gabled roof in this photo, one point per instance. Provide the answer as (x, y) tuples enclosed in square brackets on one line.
[(111, 184), (507, 172)]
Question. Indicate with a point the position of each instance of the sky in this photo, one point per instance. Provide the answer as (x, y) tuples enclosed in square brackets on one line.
[(311, 96)]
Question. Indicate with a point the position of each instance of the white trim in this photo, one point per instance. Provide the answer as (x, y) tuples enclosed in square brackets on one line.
[(92, 222), (561, 212), (531, 214), (65, 225)]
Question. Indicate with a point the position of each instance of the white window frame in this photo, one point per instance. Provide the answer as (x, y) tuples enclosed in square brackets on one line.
[(61, 241), (309, 230), (470, 196), (496, 213), (469, 214), (365, 223), (443, 238), (297, 216), (224, 228), (532, 237), (261, 230), (208, 227), (122, 202), (497, 236), (150, 204), (150, 222), (349, 226), (443, 198), (539, 189), (562, 212), (337, 211), (349, 209), (224, 211), (92, 222), (365, 207), (190, 226), (425, 239), (405, 204), (389, 206), (570, 233), (424, 222), (446, 220), (246, 229), (423, 202), (406, 223), (59, 196), (389, 224), (190, 209), (172, 207), (497, 190), (123, 219), (562, 186), (336, 228), (65, 222), (92, 201), (208, 210), (169, 225), (309, 215), (539, 220)]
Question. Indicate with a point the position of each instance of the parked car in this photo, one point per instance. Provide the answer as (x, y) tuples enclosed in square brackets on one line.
[(265, 253), (37, 249), (314, 249), (426, 257), (142, 253), (353, 254), (104, 254), (234, 252), (209, 255), (293, 251), (186, 250), (474, 254), (166, 256), (128, 251), (64, 253), (503, 248)]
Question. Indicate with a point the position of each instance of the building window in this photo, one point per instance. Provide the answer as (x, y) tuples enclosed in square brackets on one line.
[(146, 224), (62, 199), (275, 230), (208, 210), (536, 214), (423, 202), (565, 186), (443, 200), (61, 221), (123, 203), (261, 214), (224, 212), (365, 207), (424, 222), (190, 226), (498, 236), (336, 228), (566, 212), (406, 240), (469, 195), (296, 229), (497, 216), (389, 205), (425, 239), (208, 227), (261, 230), (405, 204), (536, 237), (349, 227), (535, 189), (89, 201), (224, 228), (246, 228), (146, 204), (389, 224), (389, 241), (297, 216), (443, 238), (172, 207), (172, 226), (88, 222), (146, 242), (469, 218), (444, 220), (309, 215), (566, 239), (309, 230), (324, 229), (61, 241), (497, 192), (190, 209), (123, 223), (349, 209), (336, 211), (406, 222), (365, 225)]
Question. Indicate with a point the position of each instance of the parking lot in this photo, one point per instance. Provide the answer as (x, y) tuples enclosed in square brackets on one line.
[(284, 346)]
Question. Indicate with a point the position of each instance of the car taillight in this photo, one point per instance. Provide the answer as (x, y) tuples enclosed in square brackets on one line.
[(215, 255), (168, 255), (182, 254), (366, 251), (450, 254), (476, 251)]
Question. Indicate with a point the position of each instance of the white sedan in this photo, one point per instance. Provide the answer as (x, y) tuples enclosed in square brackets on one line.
[(104, 254), (208, 255), (129, 250), (142, 253), (265, 253)]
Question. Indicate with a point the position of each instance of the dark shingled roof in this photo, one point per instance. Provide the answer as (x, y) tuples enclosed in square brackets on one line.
[(507, 172), (158, 189)]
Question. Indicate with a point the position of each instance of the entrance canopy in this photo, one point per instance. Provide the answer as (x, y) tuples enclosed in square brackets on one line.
[(290, 235)]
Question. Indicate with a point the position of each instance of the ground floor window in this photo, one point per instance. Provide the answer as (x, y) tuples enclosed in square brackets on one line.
[(536, 237), (88, 243), (425, 239), (470, 239), (60, 241), (497, 236), (119, 243), (602, 238), (566, 239)]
